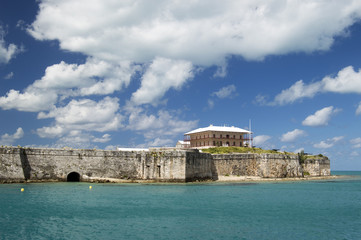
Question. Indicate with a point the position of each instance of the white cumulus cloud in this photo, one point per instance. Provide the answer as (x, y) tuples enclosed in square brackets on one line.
[(354, 154), (105, 138), (160, 142), (85, 115), (358, 110), (32, 100), (7, 52), (297, 91), (199, 33), (346, 81), (210, 104), (10, 75), (152, 126), (320, 117), (95, 77), (292, 135), (261, 139), (75, 139), (79, 139), (328, 143), (356, 142), (323, 144), (202, 32), (172, 38), (225, 92), (9, 139), (169, 41), (160, 76)]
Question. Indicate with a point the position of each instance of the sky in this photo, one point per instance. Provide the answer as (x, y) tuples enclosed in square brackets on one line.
[(141, 73)]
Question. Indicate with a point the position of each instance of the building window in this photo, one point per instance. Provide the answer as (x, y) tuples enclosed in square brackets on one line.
[(214, 135), (221, 136), (227, 136), (234, 143), (214, 143), (234, 136)]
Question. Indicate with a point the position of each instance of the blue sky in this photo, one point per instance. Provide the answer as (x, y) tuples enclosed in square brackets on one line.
[(102, 74)]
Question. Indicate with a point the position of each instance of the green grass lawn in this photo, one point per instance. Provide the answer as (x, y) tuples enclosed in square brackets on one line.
[(225, 150)]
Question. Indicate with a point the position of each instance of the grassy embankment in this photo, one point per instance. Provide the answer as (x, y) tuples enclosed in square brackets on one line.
[(225, 150)]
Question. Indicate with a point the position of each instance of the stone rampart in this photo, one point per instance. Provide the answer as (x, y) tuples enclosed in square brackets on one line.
[(199, 166), (261, 165), (317, 166), (157, 164), (18, 164)]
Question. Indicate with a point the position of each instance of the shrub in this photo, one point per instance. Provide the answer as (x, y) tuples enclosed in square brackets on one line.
[(301, 157)]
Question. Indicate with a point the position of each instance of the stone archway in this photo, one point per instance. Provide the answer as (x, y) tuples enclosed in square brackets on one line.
[(73, 177)]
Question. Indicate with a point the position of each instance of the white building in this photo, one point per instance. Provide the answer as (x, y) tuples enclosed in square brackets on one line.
[(215, 136), (183, 144)]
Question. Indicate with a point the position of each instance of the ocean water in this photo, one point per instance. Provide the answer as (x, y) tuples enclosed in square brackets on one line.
[(325, 209)]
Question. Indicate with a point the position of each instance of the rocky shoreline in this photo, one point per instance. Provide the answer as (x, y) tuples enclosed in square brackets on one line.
[(260, 179), (224, 179)]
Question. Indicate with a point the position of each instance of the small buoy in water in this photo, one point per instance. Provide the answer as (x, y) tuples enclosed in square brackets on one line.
[(90, 187), (22, 189)]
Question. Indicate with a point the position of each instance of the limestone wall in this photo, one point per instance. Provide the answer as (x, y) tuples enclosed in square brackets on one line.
[(12, 166), (199, 166), (317, 167), (261, 165), (280, 165), (170, 165), (18, 164), (56, 164), (163, 165), (235, 164)]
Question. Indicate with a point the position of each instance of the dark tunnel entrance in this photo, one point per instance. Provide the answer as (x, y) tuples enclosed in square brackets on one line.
[(73, 177)]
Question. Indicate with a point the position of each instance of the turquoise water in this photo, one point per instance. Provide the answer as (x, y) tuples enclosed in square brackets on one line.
[(288, 210)]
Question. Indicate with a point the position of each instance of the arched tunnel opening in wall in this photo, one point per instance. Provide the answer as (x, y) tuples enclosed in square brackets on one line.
[(73, 177)]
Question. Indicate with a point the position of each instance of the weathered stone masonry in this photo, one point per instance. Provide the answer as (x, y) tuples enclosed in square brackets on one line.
[(168, 165), (317, 167), (261, 165)]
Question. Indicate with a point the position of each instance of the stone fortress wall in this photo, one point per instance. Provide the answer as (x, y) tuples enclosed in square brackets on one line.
[(261, 165), (317, 167), (157, 164)]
